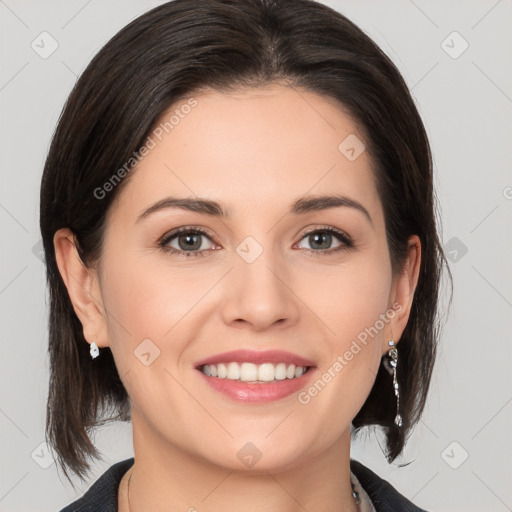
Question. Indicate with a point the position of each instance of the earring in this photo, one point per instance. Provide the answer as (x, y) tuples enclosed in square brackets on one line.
[(391, 366), (95, 351)]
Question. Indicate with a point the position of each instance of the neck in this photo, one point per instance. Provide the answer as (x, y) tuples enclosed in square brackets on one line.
[(165, 477)]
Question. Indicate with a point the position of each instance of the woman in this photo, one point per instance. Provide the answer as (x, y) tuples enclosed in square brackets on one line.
[(238, 219)]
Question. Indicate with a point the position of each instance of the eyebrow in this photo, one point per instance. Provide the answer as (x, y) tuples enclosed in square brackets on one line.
[(215, 209)]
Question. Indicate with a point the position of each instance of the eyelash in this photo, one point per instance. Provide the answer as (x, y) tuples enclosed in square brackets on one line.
[(342, 237)]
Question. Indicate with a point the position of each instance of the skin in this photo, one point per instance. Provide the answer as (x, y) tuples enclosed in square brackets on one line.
[(256, 152)]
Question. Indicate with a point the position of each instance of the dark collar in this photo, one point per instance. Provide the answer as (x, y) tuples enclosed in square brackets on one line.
[(102, 495), (384, 496)]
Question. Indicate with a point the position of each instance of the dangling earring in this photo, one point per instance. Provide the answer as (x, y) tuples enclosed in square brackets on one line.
[(94, 351), (393, 355)]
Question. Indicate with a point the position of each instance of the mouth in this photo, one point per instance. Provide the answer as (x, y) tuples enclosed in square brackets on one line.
[(256, 376), (254, 373)]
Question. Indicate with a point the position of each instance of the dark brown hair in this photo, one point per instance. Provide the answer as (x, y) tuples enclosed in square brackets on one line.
[(170, 53)]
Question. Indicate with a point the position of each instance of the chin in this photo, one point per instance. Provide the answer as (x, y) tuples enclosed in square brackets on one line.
[(257, 454)]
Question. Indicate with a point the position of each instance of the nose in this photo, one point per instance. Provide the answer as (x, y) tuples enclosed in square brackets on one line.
[(260, 294)]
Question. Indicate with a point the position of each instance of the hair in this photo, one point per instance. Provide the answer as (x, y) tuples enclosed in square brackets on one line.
[(181, 48)]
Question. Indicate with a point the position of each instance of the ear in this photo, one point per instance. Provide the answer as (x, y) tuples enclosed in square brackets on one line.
[(83, 287), (402, 293)]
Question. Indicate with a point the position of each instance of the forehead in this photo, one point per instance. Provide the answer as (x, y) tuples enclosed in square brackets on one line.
[(253, 150)]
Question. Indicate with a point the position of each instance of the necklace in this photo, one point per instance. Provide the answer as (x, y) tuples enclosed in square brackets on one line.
[(355, 495)]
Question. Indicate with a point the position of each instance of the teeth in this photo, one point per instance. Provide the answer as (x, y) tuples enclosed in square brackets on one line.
[(222, 371), (233, 371), (249, 372)]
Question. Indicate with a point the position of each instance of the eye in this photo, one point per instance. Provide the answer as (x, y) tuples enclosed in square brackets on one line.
[(321, 239), (189, 242)]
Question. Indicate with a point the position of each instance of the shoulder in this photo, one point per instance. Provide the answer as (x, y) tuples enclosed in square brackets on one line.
[(102, 495), (384, 497)]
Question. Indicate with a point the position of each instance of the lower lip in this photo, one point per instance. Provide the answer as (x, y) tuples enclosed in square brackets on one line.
[(258, 393)]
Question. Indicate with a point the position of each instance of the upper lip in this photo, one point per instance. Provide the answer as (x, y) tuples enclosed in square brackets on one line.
[(256, 357)]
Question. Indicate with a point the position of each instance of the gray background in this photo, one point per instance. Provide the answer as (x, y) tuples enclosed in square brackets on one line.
[(460, 452)]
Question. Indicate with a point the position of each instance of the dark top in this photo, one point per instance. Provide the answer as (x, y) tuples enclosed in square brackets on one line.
[(102, 495)]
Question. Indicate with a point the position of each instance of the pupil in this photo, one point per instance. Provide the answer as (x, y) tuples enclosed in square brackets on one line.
[(320, 237), (192, 241)]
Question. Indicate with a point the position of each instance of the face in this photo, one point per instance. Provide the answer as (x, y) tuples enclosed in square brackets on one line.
[(314, 284)]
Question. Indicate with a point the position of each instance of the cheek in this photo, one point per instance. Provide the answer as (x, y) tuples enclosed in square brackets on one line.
[(134, 304), (366, 299), (353, 298), (353, 305), (136, 299), (147, 310), (147, 296)]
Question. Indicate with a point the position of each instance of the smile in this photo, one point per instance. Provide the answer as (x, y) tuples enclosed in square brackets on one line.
[(253, 373), (251, 376)]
